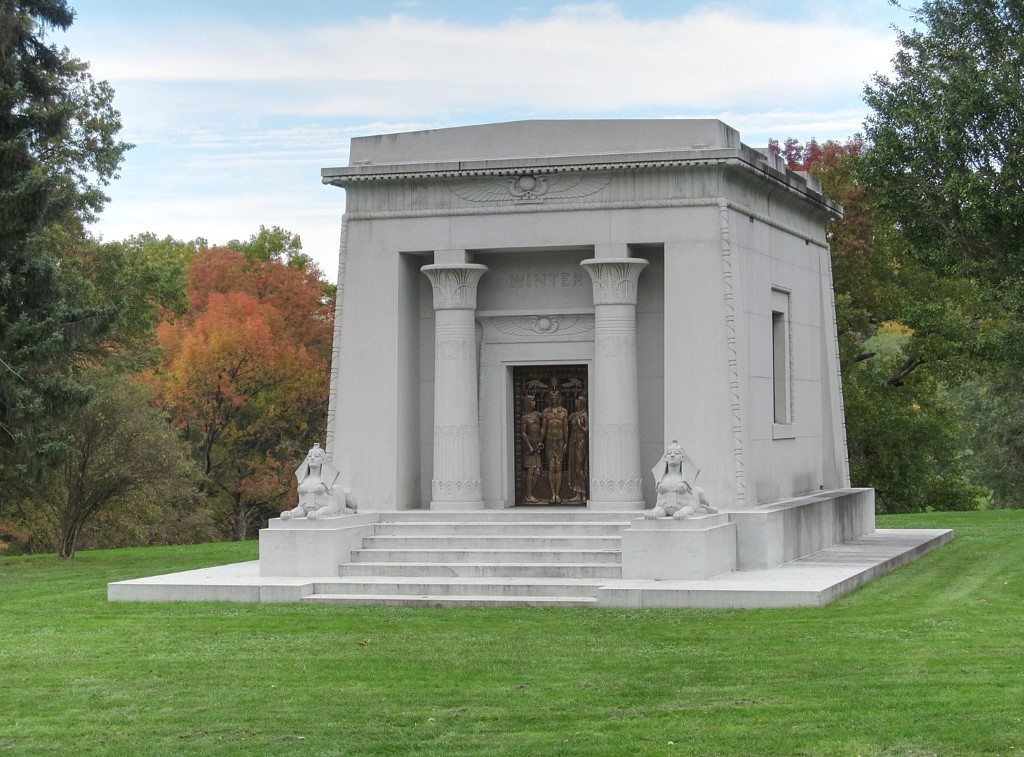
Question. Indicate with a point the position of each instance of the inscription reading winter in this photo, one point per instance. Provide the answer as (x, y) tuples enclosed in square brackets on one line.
[(538, 280)]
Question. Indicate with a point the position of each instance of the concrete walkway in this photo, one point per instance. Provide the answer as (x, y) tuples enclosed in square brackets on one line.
[(812, 581)]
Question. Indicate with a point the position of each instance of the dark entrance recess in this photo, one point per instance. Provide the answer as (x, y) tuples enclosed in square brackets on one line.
[(558, 432)]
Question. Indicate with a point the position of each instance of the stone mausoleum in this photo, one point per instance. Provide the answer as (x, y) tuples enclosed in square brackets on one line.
[(528, 315)]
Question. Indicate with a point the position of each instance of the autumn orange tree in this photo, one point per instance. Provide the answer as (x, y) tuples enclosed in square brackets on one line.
[(245, 377)]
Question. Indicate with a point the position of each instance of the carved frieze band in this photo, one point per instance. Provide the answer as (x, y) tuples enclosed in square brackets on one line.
[(671, 202), (455, 491), (614, 279), (625, 489), (454, 285)]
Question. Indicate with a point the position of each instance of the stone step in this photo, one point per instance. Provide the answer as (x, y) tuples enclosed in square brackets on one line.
[(531, 514), (481, 570), (498, 541), (483, 587), (487, 555), (512, 528), (412, 600)]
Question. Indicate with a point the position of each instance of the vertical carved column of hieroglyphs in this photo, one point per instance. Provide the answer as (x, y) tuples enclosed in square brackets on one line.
[(339, 304), (616, 482), (456, 479)]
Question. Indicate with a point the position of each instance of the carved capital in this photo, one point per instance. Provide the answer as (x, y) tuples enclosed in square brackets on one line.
[(454, 285), (614, 279)]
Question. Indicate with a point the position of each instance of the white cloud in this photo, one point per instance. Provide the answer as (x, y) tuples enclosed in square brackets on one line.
[(581, 58), (234, 121)]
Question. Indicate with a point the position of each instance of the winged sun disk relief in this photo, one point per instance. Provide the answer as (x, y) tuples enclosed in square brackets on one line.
[(565, 325), (529, 188)]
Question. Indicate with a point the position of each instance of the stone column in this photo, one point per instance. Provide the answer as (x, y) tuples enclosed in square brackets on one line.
[(615, 475), (456, 480)]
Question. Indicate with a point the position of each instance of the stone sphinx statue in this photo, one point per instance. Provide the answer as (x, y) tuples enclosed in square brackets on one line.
[(678, 497), (320, 495)]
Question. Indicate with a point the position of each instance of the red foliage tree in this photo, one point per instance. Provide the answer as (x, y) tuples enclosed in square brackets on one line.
[(245, 377)]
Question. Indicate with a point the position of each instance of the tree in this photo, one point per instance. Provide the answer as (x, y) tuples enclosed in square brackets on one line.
[(141, 280), (946, 167), (948, 143), (274, 243), (58, 148), (901, 330), (123, 457), (245, 377)]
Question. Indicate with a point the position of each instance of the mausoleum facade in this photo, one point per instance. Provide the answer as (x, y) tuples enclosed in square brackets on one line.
[(675, 278)]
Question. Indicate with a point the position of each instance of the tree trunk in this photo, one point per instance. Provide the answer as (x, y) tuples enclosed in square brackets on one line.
[(241, 519), (68, 542)]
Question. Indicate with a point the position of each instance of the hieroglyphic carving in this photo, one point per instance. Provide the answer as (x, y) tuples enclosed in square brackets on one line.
[(528, 188), (339, 301), (456, 349), (734, 377), (454, 285), (617, 345)]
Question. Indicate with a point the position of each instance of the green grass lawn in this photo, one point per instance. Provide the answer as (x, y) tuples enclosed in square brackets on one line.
[(928, 660)]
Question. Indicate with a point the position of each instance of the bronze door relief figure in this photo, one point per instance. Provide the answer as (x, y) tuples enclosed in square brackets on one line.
[(579, 451), (556, 431), (551, 443), (532, 430)]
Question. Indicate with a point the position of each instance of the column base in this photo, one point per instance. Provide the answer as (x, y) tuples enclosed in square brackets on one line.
[(477, 505), (593, 504)]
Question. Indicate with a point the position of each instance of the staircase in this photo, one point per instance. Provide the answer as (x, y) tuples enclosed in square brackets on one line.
[(523, 557)]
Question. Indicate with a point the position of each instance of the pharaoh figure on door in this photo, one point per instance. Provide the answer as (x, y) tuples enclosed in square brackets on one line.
[(552, 434)]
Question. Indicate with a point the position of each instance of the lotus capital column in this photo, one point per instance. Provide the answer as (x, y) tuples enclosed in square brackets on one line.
[(616, 480), (455, 484)]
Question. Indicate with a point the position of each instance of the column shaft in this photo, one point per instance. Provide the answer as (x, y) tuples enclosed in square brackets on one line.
[(455, 484), (616, 478)]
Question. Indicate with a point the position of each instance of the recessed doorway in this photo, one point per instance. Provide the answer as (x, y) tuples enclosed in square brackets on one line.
[(551, 434)]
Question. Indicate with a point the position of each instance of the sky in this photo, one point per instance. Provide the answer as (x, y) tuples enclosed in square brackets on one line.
[(234, 106)]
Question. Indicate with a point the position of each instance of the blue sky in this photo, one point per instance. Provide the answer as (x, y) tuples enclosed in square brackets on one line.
[(236, 105)]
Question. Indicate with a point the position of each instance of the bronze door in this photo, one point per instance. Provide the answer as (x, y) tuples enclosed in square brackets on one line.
[(551, 433)]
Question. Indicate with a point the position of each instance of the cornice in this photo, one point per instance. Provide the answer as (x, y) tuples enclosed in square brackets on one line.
[(744, 159)]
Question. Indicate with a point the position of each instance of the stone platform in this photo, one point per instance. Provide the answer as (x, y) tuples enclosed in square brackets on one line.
[(567, 557)]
